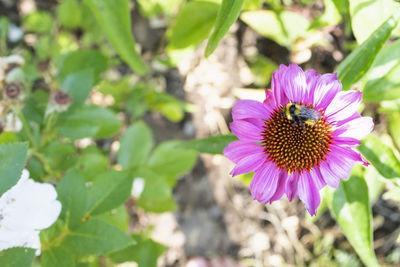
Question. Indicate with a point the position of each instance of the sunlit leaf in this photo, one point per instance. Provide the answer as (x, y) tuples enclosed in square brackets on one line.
[(114, 18), (227, 15), (381, 156), (355, 65), (193, 24), (211, 144), (284, 27), (367, 15), (350, 207)]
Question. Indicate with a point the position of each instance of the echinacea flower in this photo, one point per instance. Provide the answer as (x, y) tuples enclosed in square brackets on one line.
[(25, 209), (289, 154)]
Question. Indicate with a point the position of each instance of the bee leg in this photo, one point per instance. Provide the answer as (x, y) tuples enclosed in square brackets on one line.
[(303, 126)]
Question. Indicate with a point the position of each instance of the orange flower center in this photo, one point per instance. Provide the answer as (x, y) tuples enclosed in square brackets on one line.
[(294, 146)]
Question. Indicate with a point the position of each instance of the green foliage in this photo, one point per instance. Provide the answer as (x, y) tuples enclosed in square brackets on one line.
[(381, 156), (211, 145), (88, 121), (350, 207), (13, 257), (283, 27), (57, 256), (136, 144), (145, 252), (366, 16), (170, 160), (12, 158), (108, 191), (193, 24), (73, 197), (114, 18), (359, 61), (382, 81), (227, 15), (95, 237)]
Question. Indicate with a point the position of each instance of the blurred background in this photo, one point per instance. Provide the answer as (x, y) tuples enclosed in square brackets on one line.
[(210, 218)]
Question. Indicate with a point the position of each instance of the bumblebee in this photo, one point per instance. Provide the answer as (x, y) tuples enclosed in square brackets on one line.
[(300, 114)]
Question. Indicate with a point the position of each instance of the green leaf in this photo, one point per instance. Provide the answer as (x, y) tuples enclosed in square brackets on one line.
[(392, 194), (283, 27), (168, 159), (57, 256), (349, 205), (72, 194), (355, 65), (78, 85), (83, 60), (114, 18), (17, 257), (394, 126), (117, 217), (381, 156), (69, 13), (95, 237), (88, 121), (136, 144), (8, 137), (381, 81), (92, 163), (12, 162), (157, 193), (35, 106), (109, 191), (367, 15), (262, 68), (227, 15), (193, 24), (145, 252), (38, 22), (211, 144)]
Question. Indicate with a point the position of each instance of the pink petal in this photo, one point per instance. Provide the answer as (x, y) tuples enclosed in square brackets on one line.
[(308, 193), (264, 183), (340, 162), (329, 176), (295, 84), (269, 102), (291, 186), (326, 89), (249, 163), (278, 85), (349, 153), (318, 178), (246, 131), (280, 189), (311, 79), (343, 105), (357, 128), (346, 141), (245, 109), (238, 150)]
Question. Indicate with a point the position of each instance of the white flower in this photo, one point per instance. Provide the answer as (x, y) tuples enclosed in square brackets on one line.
[(12, 123), (25, 209), (137, 187), (6, 61)]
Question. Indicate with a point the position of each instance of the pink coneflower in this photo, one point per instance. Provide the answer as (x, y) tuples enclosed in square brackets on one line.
[(301, 138)]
